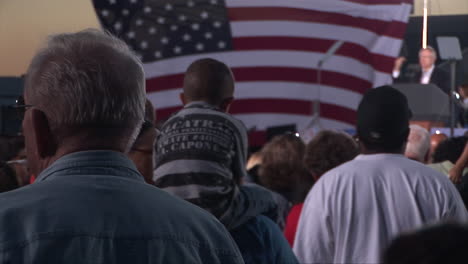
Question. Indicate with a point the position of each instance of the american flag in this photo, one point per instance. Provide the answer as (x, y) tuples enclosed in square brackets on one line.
[(273, 48)]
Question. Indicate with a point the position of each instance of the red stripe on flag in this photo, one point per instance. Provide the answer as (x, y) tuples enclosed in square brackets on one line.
[(379, 62), (286, 74), (278, 106), (289, 74), (393, 28), (166, 82), (164, 113)]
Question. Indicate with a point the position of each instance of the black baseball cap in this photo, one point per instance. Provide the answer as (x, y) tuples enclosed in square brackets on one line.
[(383, 117)]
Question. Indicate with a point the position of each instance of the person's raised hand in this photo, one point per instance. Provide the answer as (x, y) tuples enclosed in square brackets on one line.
[(398, 63)]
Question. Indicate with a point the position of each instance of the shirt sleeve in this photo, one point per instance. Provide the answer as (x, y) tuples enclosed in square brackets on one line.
[(239, 169), (314, 241)]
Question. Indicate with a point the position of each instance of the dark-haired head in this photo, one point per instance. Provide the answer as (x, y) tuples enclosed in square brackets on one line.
[(449, 149), (210, 81), (282, 169), (441, 244), (327, 150)]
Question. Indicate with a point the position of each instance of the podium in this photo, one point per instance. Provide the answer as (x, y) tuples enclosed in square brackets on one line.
[(429, 104)]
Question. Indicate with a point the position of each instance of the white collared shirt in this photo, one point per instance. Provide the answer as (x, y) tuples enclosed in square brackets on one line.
[(426, 75)]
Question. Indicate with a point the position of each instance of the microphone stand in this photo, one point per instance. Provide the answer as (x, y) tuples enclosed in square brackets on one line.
[(453, 65), (316, 104)]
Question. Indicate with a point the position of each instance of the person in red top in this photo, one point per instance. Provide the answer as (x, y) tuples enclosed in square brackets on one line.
[(291, 223), (327, 150)]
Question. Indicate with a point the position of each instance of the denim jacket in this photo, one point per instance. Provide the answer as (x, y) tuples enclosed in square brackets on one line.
[(261, 241), (94, 207)]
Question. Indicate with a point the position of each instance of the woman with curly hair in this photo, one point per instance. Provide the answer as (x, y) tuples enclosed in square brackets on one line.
[(282, 169), (327, 150)]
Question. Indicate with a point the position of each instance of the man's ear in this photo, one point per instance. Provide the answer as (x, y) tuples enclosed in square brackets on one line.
[(226, 103), (182, 98), (45, 140)]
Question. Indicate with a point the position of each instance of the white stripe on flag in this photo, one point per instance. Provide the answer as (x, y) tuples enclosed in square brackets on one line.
[(297, 59), (383, 45), (278, 90), (385, 12)]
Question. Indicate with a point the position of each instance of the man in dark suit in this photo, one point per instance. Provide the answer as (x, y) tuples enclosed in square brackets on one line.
[(426, 73)]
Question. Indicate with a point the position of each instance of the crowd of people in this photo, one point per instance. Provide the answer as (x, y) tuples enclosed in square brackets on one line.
[(110, 186)]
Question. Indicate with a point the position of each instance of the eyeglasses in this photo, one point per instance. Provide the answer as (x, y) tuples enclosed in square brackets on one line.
[(21, 107), (19, 161), (146, 126)]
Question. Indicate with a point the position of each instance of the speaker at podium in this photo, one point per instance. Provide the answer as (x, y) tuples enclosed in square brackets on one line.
[(429, 104)]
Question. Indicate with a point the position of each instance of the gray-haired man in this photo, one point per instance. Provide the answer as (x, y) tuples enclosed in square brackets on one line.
[(418, 144), (84, 105)]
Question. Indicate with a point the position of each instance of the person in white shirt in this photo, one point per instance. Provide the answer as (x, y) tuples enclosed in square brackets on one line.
[(427, 58), (355, 210), (427, 73)]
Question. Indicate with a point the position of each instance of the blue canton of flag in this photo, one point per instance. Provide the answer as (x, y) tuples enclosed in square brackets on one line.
[(163, 29)]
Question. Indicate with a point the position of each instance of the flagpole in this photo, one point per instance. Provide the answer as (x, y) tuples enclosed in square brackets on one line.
[(424, 33)]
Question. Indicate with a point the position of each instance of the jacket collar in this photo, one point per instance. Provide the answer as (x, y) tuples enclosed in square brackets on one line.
[(96, 162)]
